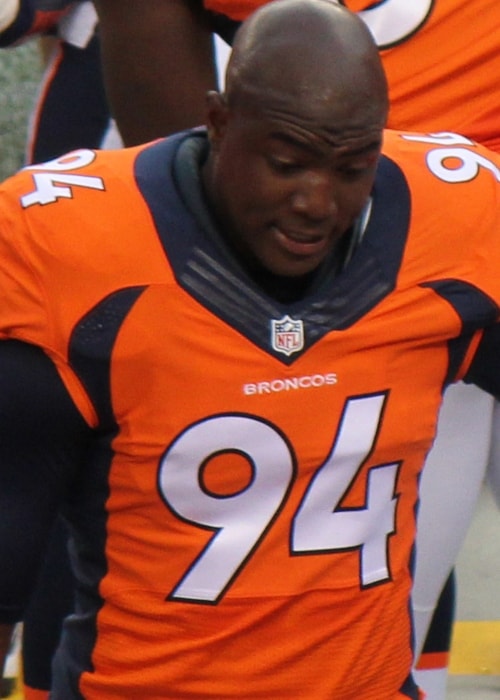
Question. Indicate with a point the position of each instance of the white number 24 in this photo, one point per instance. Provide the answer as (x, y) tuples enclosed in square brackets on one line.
[(241, 520)]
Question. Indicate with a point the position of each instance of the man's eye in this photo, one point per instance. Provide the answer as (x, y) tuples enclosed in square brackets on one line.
[(352, 172), (357, 168), (283, 165)]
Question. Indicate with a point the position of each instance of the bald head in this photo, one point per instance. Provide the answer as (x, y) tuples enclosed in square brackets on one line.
[(313, 52)]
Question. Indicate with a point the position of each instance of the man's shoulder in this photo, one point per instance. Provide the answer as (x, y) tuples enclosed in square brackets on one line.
[(89, 200), (452, 186), (84, 183), (84, 210), (72, 233), (446, 161)]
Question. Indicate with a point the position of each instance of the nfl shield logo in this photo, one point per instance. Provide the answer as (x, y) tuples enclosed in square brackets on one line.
[(287, 335)]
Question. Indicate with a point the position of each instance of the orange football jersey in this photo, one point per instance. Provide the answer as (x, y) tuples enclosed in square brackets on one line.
[(244, 522)]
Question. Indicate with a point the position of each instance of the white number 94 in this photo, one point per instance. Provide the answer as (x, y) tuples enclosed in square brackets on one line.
[(241, 520)]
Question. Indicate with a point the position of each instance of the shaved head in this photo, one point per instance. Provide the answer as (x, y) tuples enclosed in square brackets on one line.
[(314, 51)]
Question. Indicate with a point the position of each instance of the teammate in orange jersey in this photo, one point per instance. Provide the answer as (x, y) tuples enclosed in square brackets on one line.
[(233, 397)]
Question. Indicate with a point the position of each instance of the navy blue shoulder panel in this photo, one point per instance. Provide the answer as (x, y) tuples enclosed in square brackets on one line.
[(216, 280), (475, 310), (90, 348)]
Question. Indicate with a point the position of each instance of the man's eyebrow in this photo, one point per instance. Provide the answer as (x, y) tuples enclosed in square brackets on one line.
[(375, 145), (345, 151), (293, 141)]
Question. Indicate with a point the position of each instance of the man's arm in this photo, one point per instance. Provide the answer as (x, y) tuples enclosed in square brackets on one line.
[(158, 63)]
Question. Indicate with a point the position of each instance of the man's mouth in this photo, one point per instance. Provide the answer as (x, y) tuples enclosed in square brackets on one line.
[(300, 242)]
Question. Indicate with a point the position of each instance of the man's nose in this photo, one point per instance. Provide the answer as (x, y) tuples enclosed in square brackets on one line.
[(314, 197)]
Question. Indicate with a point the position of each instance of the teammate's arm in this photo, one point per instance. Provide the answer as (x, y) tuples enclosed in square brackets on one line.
[(158, 63)]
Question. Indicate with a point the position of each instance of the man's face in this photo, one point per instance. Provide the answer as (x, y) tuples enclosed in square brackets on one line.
[(287, 191)]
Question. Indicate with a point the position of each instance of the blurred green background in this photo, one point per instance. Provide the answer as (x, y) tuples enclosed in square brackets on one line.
[(20, 73)]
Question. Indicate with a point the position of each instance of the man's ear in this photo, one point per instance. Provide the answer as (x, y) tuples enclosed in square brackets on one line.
[(217, 117)]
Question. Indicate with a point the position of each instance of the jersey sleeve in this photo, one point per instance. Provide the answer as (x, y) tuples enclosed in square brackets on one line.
[(42, 444)]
